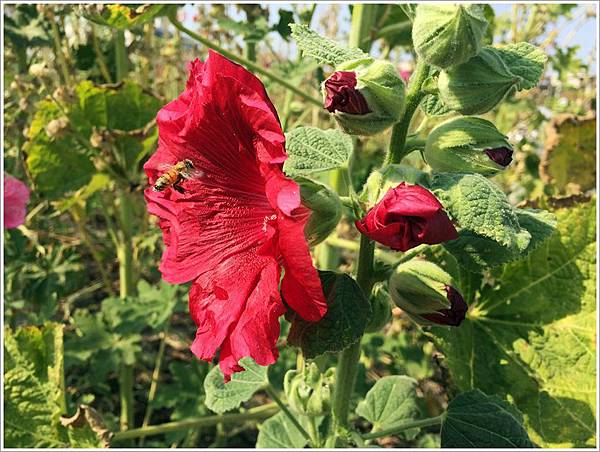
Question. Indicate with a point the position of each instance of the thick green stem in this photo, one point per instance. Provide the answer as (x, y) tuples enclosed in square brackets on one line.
[(120, 55), (126, 289), (405, 426), (253, 414), (245, 62), (363, 21), (413, 98), (348, 360), (272, 393), (250, 50), (126, 395)]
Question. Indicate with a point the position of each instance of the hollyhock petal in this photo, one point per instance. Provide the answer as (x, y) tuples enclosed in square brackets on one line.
[(502, 156), (342, 95), (16, 197), (223, 231), (301, 285)]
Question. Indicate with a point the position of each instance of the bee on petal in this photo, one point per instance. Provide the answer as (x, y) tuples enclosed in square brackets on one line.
[(173, 175)]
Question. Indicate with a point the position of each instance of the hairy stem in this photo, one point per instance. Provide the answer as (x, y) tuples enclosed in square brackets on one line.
[(414, 96), (253, 414), (245, 62), (405, 426)]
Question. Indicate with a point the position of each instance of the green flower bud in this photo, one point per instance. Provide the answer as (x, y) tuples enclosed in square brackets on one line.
[(381, 304), (467, 144), (427, 294), (478, 85), (326, 210), (309, 392), (448, 34), (366, 96)]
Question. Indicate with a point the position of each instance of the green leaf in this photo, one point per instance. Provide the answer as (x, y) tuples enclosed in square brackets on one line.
[(475, 252), (569, 160), (33, 387), (392, 400), (474, 419), (312, 150), (348, 313), (120, 16), (323, 49), (525, 60), (481, 208), (221, 396), (530, 336), (279, 432), (432, 105)]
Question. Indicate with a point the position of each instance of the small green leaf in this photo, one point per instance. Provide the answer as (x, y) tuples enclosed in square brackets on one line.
[(323, 49), (347, 316), (221, 396), (525, 60), (278, 432), (432, 105), (312, 150), (390, 401), (475, 419)]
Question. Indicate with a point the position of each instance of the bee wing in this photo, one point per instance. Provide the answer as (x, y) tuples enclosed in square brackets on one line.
[(192, 174), (164, 166)]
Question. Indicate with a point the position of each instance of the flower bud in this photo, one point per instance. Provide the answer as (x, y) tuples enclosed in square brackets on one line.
[(478, 85), (55, 127), (407, 216), (381, 305), (385, 178), (448, 34), (326, 210), (309, 391), (427, 294), (366, 96), (468, 145)]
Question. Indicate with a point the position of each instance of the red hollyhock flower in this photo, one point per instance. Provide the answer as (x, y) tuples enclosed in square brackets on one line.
[(232, 229), (343, 96), (16, 197), (407, 216)]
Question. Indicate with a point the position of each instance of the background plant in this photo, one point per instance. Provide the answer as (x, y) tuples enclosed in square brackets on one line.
[(82, 87)]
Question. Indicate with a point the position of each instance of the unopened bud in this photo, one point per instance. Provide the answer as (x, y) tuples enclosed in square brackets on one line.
[(326, 210)]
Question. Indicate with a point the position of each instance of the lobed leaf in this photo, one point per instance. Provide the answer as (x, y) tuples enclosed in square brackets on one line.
[(279, 432), (222, 397), (530, 336)]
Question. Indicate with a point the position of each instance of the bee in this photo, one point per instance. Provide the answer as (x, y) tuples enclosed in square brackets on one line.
[(173, 175)]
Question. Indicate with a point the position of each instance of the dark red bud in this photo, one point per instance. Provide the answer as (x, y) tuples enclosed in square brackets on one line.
[(453, 316), (502, 156), (343, 96)]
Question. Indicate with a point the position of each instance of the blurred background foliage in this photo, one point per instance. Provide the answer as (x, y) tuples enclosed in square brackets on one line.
[(82, 85)]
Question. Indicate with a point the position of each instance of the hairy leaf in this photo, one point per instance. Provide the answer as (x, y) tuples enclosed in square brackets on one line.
[(347, 316), (278, 432), (530, 337), (120, 16), (392, 400), (323, 49), (474, 419), (312, 150), (525, 60), (221, 396)]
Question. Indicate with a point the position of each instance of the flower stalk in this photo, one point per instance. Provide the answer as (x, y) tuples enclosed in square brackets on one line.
[(397, 150), (421, 423)]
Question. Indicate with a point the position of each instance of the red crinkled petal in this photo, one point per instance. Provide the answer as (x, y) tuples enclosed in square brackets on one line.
[(235, 226)]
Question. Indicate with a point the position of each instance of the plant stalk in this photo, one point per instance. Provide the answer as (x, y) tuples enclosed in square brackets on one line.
[(363, 21), (253, 414), (414, 96), (245, 62), (405, 426), (120, 55)]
